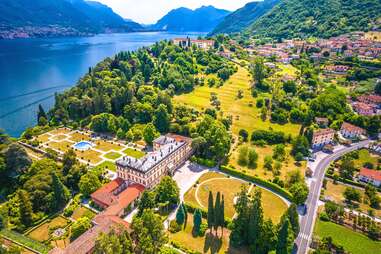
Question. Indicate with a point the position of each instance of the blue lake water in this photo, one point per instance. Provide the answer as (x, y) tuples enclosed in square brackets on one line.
[(33, 70)]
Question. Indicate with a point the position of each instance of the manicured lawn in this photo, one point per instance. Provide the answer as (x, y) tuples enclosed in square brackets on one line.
[(108, 165), (245, 114), (207, 244), (43, 137), (335, 192), (90, 156), (133, 153), (287, 166), (76, 137), (352, 241), (82, 212), (33, 244), (62, 146), (59, 137), (42, 232), (273, 206), (112, 155), (60, 131), (107, 145)]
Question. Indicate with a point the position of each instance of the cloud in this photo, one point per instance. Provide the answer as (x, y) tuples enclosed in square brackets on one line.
[(149, 11)]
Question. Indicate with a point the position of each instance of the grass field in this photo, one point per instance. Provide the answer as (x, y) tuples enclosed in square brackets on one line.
[(287, 166), (207, 244), (60, 131), (112, 155), (366, 156), (62, 146), (107, 146), (353, 242), (82, 212), (59, 137), (89, 156), (273, 206), (76, 137), (107, 165), (43, 138), (133, 153), (335, 192), (42, 232), (245, 114)]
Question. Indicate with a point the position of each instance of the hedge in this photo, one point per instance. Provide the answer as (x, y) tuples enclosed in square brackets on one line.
[(350, 182), (272, 186)]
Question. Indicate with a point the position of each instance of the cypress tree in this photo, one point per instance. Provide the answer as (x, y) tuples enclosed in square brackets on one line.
[(186, 215), (238, 236), (25, 208), (197, 220), (284, 241), (41, 113), (210, 211), (255, 222), (217, 211), (222, 215), (60, 193), (180, 215)]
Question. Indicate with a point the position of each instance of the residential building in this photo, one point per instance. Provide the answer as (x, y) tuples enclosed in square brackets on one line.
[(322, 137), (169, 152), (370, 99), (370, 176), (336, 69), (351, 131), (364, 109)]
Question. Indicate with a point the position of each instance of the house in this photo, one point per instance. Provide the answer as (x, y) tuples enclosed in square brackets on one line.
[(364, 109), (322, 122), (322, 137), (370, 99), (116, 196), (170, 151), (336, 69), (370, 176), (351, 131), (187, 42)]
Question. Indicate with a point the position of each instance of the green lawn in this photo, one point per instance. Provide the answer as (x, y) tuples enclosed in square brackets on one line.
[(112, 155), (19, 238), (353, 242), (244, 112), (134, 153), (108, 165), (82, 212), (366, 156)]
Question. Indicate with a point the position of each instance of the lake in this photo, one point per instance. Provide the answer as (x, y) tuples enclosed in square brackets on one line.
[(33, 70)]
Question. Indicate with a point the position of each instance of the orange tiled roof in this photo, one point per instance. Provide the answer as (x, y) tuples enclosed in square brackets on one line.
[(105, 193), (351, 128), (323, 132), (371, 174)]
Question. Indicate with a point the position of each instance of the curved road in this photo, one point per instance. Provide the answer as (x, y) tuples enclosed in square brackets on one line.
[(308, 220)]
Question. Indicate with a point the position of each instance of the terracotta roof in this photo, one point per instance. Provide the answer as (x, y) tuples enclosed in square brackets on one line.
[(371, 98), (371, 174), (323, 132), (105, 193), (352, 128)]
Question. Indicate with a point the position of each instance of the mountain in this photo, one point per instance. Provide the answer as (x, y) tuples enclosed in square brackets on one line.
[(320, 18), (59, 17), (203, 19), (244, 17)]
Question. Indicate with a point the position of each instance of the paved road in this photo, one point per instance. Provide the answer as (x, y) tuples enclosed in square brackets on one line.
[(308, 220)]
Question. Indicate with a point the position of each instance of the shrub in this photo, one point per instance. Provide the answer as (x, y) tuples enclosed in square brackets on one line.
[(203, 229), (323, 216), (174, 227)]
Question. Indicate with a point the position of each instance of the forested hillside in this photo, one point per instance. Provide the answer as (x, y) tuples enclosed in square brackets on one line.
[(320, 18), (245, 16), (203, 19)]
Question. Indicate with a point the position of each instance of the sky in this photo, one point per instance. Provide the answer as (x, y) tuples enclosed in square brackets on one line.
[(149, 11)]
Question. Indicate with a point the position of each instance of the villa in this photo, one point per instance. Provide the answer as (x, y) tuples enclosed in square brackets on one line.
[(188, 42), (351, 131), (370, 176), (169, 152)]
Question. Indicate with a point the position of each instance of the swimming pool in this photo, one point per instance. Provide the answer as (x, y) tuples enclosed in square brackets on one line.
[(83, 145)]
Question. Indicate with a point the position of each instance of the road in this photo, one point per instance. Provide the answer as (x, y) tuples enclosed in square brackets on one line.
[(308, 220)]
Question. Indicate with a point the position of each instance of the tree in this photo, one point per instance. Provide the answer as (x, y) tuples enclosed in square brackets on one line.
[(300, 145), (117, 241), (242, 155), (148, 233), (89, 183), (244, 134), (167, 192), (279, 152), (161, 119), (16, 158), (285, 238), (221, 221), (147, 201), (351, 194), (217, 211), (252, 158), (299, 192), (347, 168), (377, 88), (60, 193), (268, 237), (25, 208), (292, 215), (259, 73), (211, 211), (255, 225), (41, 116), (239, 233), (79, 227), (150, 133), (68, 161), (268, 163), (197, 220), (180, 215)]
